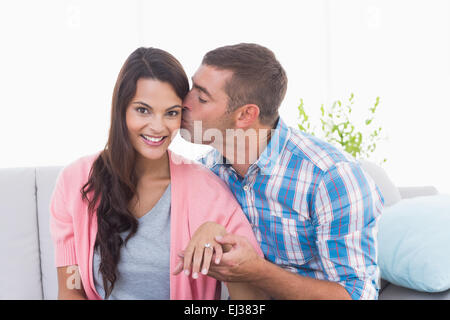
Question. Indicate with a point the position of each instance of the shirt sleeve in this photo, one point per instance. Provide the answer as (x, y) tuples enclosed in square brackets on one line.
[(238, 224), (61, 226), (347, 207)]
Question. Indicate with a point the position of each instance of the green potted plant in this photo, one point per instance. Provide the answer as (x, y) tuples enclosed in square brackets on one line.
[(337, 126)]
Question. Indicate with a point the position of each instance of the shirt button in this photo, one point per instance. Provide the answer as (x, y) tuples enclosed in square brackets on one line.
[(245, 188)]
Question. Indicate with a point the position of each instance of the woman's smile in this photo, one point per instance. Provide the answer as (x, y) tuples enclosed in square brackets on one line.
[(152, 140)]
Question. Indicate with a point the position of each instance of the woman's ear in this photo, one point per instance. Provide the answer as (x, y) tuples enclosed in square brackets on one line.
[(247, 115)]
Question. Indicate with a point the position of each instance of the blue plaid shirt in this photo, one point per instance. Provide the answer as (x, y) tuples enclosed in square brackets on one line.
[(313, 210)]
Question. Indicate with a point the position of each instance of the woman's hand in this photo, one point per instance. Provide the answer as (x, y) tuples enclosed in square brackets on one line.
[(201, 249), (70, 286)]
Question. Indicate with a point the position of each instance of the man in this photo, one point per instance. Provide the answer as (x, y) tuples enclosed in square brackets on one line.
[(313, 210)]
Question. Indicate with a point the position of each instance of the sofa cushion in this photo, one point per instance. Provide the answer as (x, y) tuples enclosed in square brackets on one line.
[(45, 183), (413, 243), (388, 189), (393, 292), (20, 272)]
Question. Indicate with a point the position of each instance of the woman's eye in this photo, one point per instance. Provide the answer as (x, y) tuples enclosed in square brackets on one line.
[(173, 113), (141, 110), (201, 100)]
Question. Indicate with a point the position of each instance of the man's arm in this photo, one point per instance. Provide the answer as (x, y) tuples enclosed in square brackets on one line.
[(245, 291), (286, 285), (346, 209), (243, 264)]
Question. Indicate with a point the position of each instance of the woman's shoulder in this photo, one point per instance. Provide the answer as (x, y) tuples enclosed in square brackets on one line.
[(196, 172), (72, 178), (207, 196), (79, 168)]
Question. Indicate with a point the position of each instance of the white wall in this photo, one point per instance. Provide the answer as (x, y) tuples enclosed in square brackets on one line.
[(59, 61), (399, 50)]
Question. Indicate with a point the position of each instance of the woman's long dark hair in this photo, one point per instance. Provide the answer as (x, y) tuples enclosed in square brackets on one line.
[(112, 178)]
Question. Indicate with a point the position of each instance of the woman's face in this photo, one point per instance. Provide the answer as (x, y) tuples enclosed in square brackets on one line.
[(153, 118)]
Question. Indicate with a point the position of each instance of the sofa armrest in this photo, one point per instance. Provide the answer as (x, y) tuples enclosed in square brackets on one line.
[(412, 192)]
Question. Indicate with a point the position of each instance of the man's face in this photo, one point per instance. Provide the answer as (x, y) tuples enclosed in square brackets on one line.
[(205, 112)]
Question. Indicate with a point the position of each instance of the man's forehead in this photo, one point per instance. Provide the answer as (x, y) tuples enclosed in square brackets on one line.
[(214, 76)]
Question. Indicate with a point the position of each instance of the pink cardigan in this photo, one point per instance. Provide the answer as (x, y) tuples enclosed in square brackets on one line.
[(197, 196)]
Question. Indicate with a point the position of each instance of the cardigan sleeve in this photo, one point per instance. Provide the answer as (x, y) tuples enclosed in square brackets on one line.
[(61, 225), (210, 199)]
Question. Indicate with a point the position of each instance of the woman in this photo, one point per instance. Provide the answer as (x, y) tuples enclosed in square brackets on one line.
[(120, 216)]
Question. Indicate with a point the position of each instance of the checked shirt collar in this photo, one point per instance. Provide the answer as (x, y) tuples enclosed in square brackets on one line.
[(269, 159)]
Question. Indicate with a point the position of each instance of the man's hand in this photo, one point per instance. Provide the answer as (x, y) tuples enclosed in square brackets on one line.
[(241, 264)]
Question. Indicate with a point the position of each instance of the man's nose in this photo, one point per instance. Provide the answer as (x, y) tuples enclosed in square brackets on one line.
[(187, 102)]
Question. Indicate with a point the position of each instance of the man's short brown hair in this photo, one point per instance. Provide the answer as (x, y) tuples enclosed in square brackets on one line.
[(258, 78)]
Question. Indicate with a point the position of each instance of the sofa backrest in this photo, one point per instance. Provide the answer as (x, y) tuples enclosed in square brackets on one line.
[(387, 188)]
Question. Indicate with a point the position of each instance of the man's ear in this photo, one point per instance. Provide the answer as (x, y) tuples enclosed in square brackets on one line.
[(246, 115)]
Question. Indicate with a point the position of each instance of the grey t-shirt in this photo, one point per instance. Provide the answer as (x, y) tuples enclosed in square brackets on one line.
[(143, 269)]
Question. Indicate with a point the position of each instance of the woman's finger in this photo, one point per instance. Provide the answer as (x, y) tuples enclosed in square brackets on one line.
[(178, 268), (207, 255), (198, 256), (188, 259)]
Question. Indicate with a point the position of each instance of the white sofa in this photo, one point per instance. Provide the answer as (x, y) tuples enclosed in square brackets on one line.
[(27, 267), (27, 270)]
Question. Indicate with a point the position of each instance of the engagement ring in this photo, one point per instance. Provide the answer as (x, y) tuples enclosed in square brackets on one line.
[(208, 245)]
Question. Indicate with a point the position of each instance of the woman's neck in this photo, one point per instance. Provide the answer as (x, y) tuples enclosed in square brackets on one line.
[(152, 169)]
